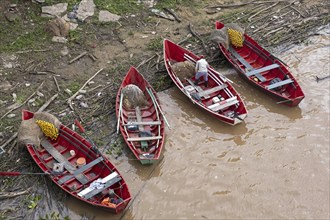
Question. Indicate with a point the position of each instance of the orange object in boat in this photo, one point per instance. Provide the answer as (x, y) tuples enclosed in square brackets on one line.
[(81, 161)]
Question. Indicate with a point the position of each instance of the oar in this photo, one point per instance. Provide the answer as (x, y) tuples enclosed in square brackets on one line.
[(27, 173), (119, 111), (160, 110), (82, 129)]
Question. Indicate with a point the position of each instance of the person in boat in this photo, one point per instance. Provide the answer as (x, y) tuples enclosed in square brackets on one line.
[(201, 71)]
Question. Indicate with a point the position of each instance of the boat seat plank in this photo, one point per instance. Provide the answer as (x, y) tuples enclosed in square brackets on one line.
[(263, 69), (224, 104), (281, 83), (143, 123), (144, 143), (80, 170), (246, 64), (57, 155), (198, 88), (144, 138), (139, 117), (107, 181), (212, 90), (240, 58), (61, 159)]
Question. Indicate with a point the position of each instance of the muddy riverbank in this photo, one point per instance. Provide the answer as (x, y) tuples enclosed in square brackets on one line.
[(29, 59)]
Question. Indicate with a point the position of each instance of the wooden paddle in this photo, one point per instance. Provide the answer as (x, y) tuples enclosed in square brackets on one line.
[(27, 173), (119, 111), (153, 98), (82, 129)]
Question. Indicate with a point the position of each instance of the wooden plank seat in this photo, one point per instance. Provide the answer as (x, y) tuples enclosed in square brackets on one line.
[(99, 186), (223, 104), (240, 59), (80, 170), (144, 138), (144, 143), (247, 65), (278, 84), (263, 69), (61, 159), (198, 88), (143, 123), (212, 90)]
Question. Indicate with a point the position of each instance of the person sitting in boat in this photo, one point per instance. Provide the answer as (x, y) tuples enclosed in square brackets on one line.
[(201, 71)]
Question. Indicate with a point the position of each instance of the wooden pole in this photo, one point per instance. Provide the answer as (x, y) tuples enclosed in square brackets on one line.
[(157, 105)]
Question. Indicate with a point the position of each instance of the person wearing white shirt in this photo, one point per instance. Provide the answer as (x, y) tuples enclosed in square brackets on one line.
[(201, 71)]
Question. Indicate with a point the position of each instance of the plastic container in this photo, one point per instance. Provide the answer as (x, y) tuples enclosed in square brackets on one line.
[(215, 100), (81, 161)]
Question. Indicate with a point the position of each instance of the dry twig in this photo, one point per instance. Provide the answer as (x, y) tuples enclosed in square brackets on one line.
[(58, 88), (24, 101), (196, 35), (7, 195), (78, 57), (69, 100), (243, 4), (265, 9), (173, 14)]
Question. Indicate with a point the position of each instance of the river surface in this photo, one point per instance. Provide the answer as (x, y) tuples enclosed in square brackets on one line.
[(273, 166)]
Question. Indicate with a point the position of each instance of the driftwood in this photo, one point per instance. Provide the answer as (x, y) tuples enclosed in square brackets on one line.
[(274, 12), (69, 100), (7, 195), (23, 102), (185, 39), (29, 51), (321, 78), (146, 61), (297, 11), (46, 104), (78, 57), (265, 9), (92, 57), (173, 14), (243, 4), (197, 36), (58, 88)]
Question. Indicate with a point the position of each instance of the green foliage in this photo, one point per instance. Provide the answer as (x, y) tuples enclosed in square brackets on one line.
[(116, 148), (74, 87), (119, 7), (54, 216), (174, 3), (156, 44), (33, 202), (32, 36), (74, 35), (162, 82)]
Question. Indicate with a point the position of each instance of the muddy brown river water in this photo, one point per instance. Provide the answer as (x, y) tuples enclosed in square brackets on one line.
[(273, 166)]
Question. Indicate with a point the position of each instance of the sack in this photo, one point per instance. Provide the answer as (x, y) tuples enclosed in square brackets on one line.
[(221, 36), (133, 97), (184, 69)]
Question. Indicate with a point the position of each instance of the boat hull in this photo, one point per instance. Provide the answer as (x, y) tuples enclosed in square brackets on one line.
[(263, 70), (147, 139), (218, 86), (61, 156)]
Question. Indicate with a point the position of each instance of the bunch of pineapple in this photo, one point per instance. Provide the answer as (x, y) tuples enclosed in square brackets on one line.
[(48, 129), (236, 37)]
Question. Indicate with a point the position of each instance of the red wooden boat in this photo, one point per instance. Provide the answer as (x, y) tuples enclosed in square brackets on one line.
[(263, 70), (96, 182), (143, 128), (219, 99)]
